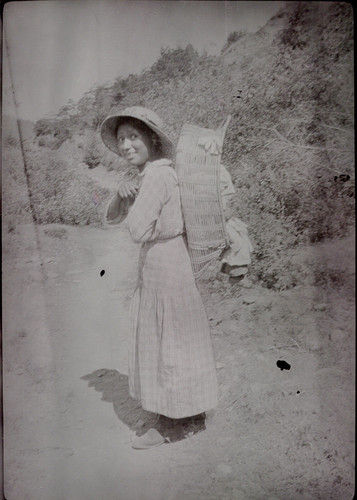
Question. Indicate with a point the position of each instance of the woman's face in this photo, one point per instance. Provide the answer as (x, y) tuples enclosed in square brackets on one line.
[(133, 145)]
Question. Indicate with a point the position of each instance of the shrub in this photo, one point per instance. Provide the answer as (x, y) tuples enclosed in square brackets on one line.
[(10, 140), (233, 37), (172, 64), (53, 132), (91, 153), (15, 201), (60, 194)]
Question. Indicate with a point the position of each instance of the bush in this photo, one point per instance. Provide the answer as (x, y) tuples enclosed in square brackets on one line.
[(60, 194), (10, 140), (173, 64), (232, 38), (91, 153), (53, 132), (15, 201)]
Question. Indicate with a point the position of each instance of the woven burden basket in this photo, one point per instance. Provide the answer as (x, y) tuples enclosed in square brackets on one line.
[(198, 158)]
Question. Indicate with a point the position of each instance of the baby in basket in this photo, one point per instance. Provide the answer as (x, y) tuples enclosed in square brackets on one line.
[(236, 258)]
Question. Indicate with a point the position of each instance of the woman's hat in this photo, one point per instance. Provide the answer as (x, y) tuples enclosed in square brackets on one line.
[(110, 125)]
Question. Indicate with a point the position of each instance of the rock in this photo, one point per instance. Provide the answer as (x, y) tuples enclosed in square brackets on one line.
[(229, 326), (220, 365), (222, 470), (337, 335), (245, 283), (314, 344), (320, 307), (249, 300)]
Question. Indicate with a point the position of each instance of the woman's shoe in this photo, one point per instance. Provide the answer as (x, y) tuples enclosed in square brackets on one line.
[(150, 439)]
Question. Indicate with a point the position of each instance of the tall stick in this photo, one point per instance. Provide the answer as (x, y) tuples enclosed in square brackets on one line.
[(26, 171)]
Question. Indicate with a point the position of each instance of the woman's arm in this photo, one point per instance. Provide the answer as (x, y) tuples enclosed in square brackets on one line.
[(143, 219), (117, 209)]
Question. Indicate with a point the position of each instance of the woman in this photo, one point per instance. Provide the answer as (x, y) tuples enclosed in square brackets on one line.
[(171, 365)]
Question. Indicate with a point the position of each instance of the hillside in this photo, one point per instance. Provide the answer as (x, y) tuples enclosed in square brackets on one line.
[(289, 146)]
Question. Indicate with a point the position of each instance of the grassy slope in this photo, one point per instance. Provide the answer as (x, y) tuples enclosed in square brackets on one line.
[(290, 136)]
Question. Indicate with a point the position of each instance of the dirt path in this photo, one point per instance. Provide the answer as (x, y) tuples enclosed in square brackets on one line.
[(68, 420)]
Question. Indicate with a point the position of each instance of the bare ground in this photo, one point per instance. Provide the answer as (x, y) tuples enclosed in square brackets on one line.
[(68, 419)]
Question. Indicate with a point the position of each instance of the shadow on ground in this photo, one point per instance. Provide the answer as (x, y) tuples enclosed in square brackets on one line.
[(114, 388)]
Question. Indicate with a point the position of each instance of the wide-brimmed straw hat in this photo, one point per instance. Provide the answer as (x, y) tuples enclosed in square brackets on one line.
[(110, 125)]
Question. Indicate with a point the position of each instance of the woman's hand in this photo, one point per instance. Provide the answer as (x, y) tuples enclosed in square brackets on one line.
[(128, 188)]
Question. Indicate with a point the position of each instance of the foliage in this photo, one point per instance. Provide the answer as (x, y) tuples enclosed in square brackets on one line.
[(91, 153), (15, 201), (174, 64), (10, 140), (58, 193), (289, 148), (58, 130), (232, 38)]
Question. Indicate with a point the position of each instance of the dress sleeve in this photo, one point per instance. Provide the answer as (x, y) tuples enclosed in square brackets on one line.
[(143, 219)]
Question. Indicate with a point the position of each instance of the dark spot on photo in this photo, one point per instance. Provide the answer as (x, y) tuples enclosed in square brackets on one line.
[(283, 365)]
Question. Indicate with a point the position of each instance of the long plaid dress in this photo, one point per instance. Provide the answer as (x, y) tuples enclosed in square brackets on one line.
[(171, 364)]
